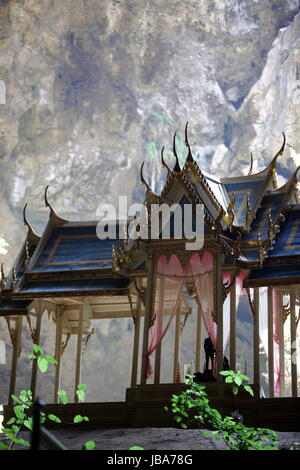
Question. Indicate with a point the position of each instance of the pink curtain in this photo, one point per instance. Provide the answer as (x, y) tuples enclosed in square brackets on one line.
[(201, 269), (173, 270)]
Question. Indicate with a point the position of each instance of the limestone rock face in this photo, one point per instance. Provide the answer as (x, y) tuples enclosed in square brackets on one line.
[(93, 88)]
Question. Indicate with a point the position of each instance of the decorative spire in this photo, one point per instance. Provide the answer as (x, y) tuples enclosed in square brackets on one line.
[(176, 168), (163, 162), (53, 214), (251, 164), (26, 222), (278, 154), (143, 181), (189, 158)]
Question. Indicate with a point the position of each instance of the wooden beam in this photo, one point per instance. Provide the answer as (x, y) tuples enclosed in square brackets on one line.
[(36, 340), (176, 345), (219, 312), (256, 340), (16, 343), (58, 348), (148, 313), (78, 353), (136, 343), (198, 338), (232, 360), (293, 327), (270, 343)]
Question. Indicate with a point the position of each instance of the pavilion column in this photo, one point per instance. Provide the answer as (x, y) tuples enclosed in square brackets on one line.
[(177, 344), (58, 350), (16, 335), (219, 312), (158, 348), (78, 353), (36, 340), (256, 340), (281, 346), (293, 343), (270, 343), (136, 341), (149, 306), (232, 360), (198, 338)]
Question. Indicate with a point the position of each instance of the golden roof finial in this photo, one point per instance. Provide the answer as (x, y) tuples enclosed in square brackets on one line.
[(251, 164), (163, 162), (278, 154), (176, 168), (189, 158)]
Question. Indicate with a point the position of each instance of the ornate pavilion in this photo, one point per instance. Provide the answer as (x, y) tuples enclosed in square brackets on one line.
[(251, 244)]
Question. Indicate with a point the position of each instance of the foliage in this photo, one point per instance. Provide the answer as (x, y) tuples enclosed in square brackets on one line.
[(237, 378), (42, 359), (89, 445), (22, 406), (192, 405), (136, 448)]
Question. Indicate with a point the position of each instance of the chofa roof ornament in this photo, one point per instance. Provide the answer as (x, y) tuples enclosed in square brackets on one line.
[(164, 163), (189, 158), (53, 215), (176, 168)]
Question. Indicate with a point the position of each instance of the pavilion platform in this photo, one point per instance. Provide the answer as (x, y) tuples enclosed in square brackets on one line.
[(144, 407)]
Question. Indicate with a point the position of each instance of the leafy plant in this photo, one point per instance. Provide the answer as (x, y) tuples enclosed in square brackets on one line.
[(42, 359), (237, 378), (192, 406), (22, 406)]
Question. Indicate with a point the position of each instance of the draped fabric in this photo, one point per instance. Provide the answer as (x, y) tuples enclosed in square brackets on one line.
[(263, 321), (199, 269)]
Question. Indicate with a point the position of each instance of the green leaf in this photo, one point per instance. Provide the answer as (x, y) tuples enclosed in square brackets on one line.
[(54, 418), (4, 445), (229, 379), (166, 408), (37, 349), (51, 359), (62, 395), (28, 423), (80, 394), (86, 418), (235, 390), (238, 380), (225, 372), (78, 419), (249, 390), (11, 421), (136, 448), (89, 445), (42, 364), (19, 412), (82, 387), (31, 356)]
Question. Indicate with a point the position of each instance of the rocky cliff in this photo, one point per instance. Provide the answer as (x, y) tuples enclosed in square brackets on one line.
[(95, 87)]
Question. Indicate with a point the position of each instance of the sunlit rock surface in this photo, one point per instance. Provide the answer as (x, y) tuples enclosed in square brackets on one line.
[(95, 88)]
